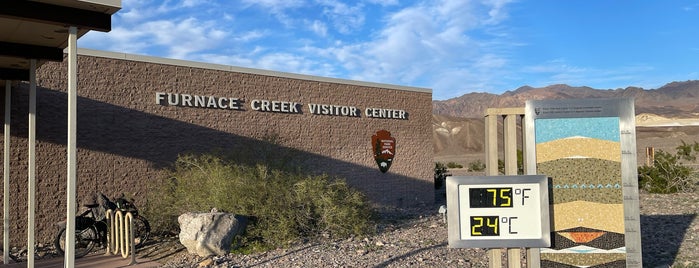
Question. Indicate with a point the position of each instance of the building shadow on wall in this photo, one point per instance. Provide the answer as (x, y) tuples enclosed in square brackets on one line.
[(662, 236), (130, 133)]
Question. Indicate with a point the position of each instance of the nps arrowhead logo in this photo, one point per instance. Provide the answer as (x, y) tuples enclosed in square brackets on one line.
[(384, 149)]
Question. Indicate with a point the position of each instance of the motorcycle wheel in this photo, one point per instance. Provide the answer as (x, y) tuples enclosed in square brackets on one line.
[(85, 241)]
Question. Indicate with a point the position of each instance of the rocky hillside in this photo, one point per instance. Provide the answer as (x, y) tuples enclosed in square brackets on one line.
[(676, 99), (665, 116)]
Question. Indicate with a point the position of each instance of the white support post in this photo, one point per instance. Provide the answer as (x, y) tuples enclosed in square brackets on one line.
[(31, 180), (510, 144), (6, 177), (510, 154), (71, 146), (491, 167), (533, 254)]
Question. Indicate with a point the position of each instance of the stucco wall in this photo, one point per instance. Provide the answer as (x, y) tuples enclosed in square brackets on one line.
[(126, 139)]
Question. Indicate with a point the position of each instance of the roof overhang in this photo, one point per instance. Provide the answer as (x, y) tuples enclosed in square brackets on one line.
[(38, 29)]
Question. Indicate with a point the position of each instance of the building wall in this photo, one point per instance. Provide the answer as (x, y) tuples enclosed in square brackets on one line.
[(126, 139)]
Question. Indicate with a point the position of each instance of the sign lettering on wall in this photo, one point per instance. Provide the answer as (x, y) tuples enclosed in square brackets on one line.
[(276, 106), (187, 100)]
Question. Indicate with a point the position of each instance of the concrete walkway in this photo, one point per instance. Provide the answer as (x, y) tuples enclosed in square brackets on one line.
[(95, 260)]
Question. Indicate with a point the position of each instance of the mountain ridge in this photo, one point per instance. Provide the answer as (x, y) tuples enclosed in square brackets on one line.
[(665, 117), (674, 99)]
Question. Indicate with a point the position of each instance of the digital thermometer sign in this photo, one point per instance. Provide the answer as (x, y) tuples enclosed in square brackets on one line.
[(498, 211)]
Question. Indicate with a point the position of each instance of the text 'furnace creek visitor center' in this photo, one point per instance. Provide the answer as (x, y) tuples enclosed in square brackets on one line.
[(137, 114)]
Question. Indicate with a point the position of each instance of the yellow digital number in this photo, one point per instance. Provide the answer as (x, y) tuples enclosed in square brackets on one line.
[(478, 225), (485, 225), (495, 196), (505, 197), (505, 200), (493, 225)]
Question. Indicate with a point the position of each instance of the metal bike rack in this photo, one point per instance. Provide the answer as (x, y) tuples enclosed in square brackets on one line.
[(120, 235)]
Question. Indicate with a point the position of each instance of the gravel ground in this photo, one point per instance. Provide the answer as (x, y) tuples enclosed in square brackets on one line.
[(418, 238)]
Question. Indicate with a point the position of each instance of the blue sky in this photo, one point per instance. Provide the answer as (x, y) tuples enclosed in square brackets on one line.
[(453, 47)]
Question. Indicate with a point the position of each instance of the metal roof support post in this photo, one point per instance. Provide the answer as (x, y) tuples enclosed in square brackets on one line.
[(71, 145), (6, 177), (31, 180)]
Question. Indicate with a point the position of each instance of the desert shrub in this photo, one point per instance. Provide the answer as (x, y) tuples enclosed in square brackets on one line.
[(688, 152), (454, 165), (284, 206), (477, 165), (520, 164), (440, 175), (666, 175)]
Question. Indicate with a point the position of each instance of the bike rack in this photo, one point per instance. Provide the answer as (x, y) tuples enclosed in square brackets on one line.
[(120, 235)]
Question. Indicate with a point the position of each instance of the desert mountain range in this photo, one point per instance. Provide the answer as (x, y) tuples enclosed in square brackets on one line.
[(664, 117), (673, 100)]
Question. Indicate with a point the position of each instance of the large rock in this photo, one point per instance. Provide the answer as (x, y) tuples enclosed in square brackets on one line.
[(207, 234)]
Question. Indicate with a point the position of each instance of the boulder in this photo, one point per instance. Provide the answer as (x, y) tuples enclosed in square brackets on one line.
[(207, 234)]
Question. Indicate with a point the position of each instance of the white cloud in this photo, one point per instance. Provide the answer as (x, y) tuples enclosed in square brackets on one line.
[(250, 36), (319, 28), (445, 44), (345, 18), (559, 71), (278, 8), (192, 3), (383, 2), (424, 45)]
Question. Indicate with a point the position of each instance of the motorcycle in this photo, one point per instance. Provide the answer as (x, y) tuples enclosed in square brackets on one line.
[(91, 226)]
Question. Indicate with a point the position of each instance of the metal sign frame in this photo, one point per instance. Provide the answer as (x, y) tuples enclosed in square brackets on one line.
[(623, 109), (459, 206)]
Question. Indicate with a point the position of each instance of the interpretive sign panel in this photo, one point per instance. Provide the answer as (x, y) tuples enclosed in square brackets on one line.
[(498, 211), (588, 149)]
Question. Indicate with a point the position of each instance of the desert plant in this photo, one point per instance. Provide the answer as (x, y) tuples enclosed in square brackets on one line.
[(477, 166), (454, 165), (285, 206), (440, 174), (520, 164), (688, 152), (667, 174)]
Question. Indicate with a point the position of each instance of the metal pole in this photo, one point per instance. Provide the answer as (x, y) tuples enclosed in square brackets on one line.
[(533, 254), (131, 240), (31, 190), (6, 178), (71, 146)]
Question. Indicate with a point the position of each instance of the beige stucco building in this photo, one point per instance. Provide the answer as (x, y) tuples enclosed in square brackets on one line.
[(136, 114)]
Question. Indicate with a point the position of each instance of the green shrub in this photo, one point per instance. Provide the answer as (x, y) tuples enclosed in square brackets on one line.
[(284, 206), (666, 175), (520, 163), (454, 165), (477, 165), (440, 175)]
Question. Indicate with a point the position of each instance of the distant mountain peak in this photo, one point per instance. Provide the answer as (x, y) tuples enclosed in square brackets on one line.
[(675, 99)]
